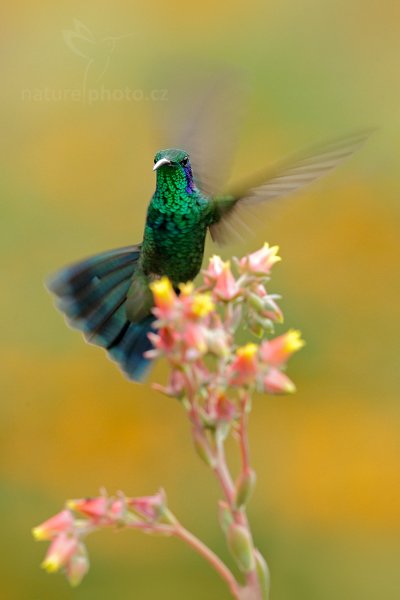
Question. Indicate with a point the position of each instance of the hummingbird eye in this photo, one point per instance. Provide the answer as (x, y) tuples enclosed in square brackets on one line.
[(155, 160), (185, 161)]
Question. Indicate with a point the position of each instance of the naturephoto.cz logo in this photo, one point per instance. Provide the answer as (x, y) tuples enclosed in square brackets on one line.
[(95, 54)]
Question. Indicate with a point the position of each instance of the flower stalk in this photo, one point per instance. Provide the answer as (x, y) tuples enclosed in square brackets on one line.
[(214, 378)]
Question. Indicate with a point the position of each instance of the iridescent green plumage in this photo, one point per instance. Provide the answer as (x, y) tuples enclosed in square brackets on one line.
[(174, 236), (177, 221)]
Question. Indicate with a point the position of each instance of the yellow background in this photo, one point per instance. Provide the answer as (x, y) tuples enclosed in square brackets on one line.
[(76, 179)]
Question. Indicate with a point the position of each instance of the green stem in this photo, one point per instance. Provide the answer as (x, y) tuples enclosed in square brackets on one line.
[(221, 470)]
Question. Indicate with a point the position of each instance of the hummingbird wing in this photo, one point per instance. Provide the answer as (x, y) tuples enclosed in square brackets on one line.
[(285, 179), (211, 122)]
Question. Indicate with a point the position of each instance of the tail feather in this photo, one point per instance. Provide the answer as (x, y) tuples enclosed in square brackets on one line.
[(103, 309), (92, 295), (128, 352), (82, 303), (107, 327), (75, 277)]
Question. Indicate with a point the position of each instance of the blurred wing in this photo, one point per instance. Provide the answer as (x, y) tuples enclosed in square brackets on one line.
[(284, 180), (210, 131)]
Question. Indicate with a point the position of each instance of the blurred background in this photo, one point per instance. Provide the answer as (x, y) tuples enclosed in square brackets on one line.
[(85, 91)]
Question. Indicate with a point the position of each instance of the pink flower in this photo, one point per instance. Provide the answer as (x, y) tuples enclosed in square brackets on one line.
[(276, 382), (117, 508), (164, 295), (150, 507), (60, 551), (194, 341), (225, 410), (92, 507), (245, 364), (61, 522), (226, 288), (218, 342), (277, 351), (214, 270), (77, 566), (201, 305), (261, 261), (177, 382), (176, 387), (165, 341), (259, 289)]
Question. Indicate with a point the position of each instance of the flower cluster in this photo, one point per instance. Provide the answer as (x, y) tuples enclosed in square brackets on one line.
[(67, 529), (197, 332)]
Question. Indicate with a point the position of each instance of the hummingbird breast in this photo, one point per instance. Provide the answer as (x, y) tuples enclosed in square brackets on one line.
[(174, 240)]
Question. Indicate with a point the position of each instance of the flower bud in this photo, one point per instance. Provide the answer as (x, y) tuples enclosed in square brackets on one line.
[(224, 516), (92, 507), (240, 546), (217, 342), (176, 386), (163, 293), (77, 567), (263, 303), (244, 487), (186, 289), (272, 310), (202, 305), (244, 366), (59, 553), (202, 448), (150, 507), (194, 341), (214, 270), (263, 573), (277, 351), (62, 521), (117, 509), (226, 288), (255, 301), (225, 410), (164, 341), (276, 382), (254, 326), (260, 324), (261, 261)]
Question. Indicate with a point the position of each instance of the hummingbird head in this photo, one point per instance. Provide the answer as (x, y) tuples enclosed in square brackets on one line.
[(174, 165)]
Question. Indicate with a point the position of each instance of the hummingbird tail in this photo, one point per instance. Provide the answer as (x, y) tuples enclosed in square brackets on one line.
[(92, 295)]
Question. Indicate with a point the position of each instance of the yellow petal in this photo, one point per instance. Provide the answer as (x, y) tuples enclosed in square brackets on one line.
[(202, 305), (293, 341)]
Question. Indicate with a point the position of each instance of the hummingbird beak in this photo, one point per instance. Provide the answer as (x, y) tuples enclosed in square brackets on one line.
[(160, 163)]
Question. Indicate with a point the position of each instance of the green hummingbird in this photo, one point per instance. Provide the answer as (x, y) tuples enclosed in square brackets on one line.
[(107, 296)]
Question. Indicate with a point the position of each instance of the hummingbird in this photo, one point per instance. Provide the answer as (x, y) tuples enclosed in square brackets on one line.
[(107, 296)]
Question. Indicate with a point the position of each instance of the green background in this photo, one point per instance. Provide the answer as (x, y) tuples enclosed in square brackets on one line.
[(76, 178)]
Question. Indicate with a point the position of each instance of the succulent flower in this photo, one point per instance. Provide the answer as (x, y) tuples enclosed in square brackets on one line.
[(261, 261), (213, 376)]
